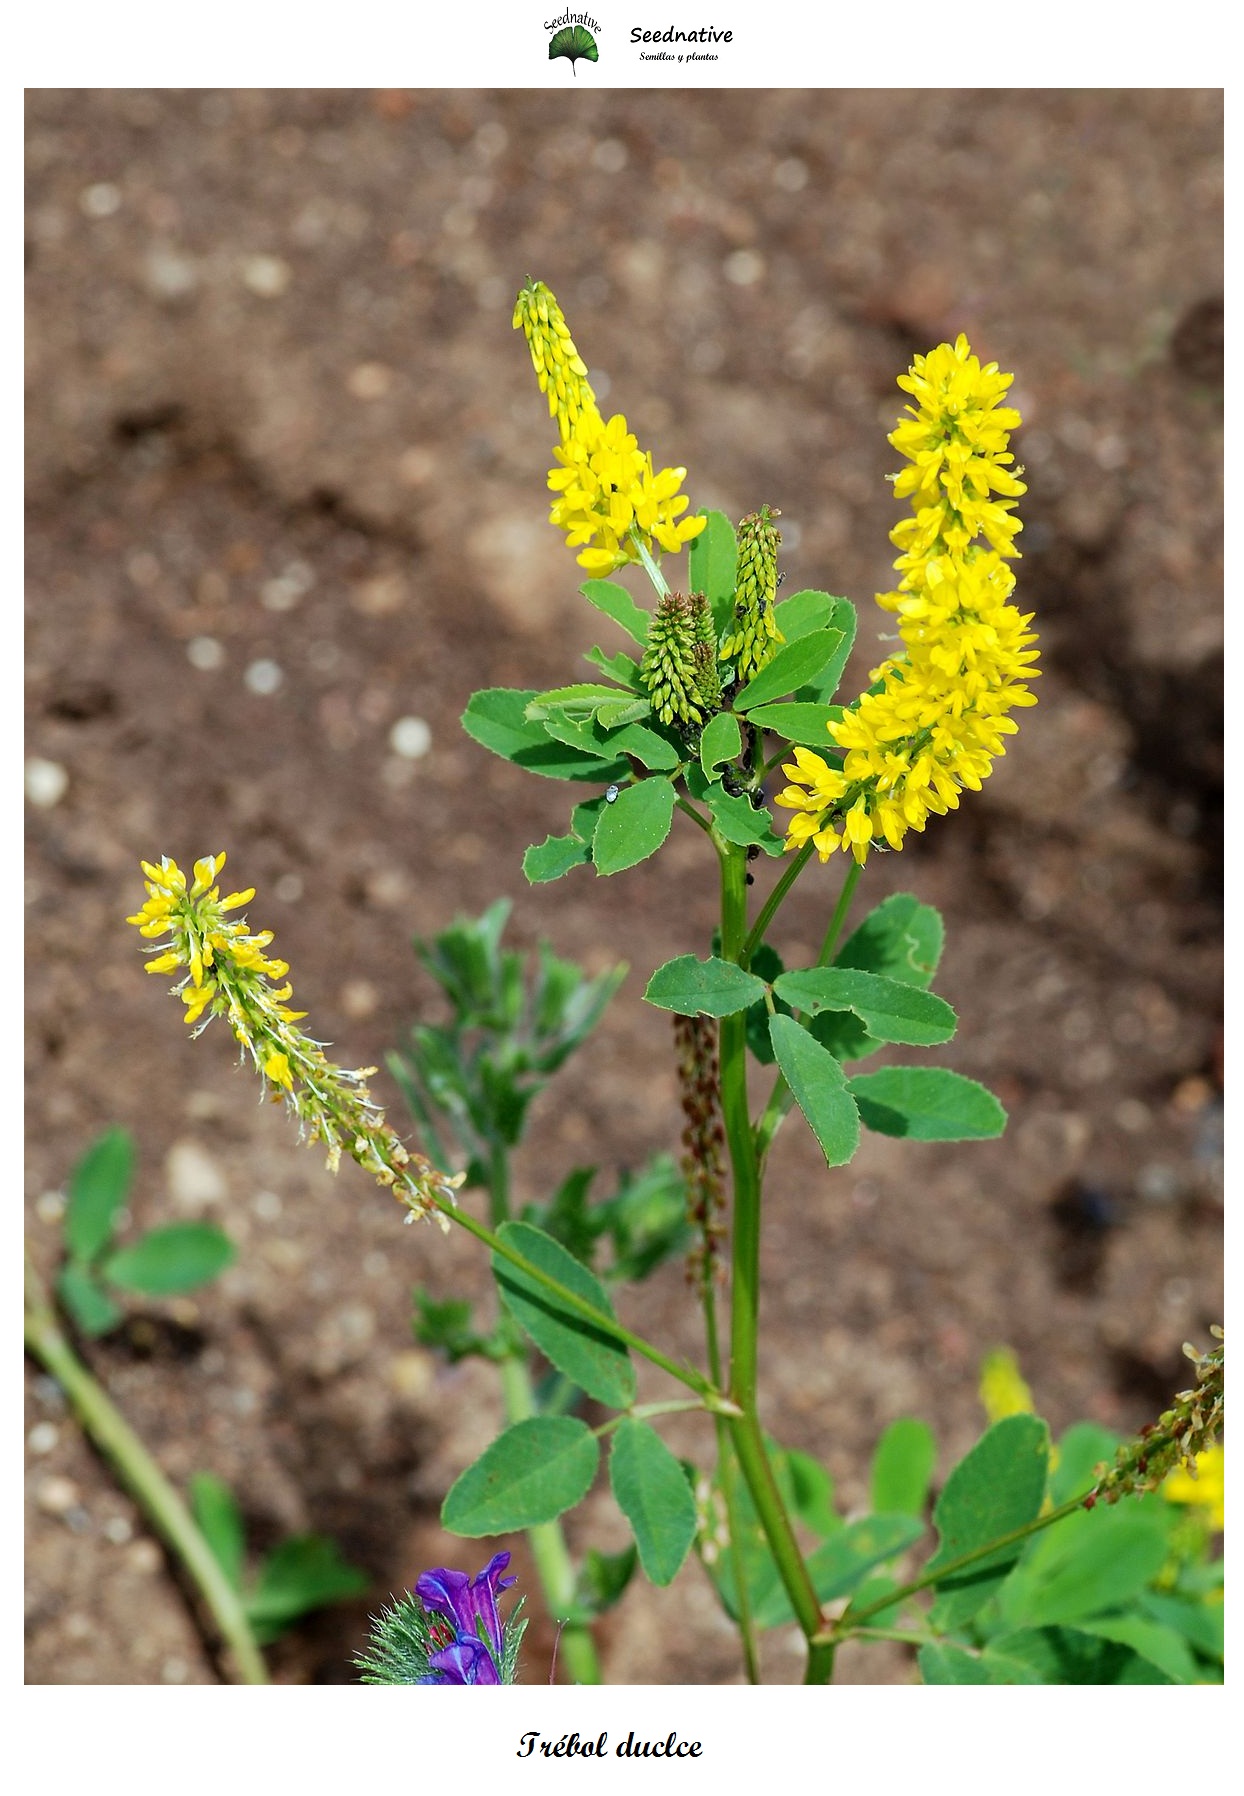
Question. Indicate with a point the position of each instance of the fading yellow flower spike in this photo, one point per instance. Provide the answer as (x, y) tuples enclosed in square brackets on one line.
[(1003, 1390), (1202, 1490), (609, 502), (227, 973), (940, 719)]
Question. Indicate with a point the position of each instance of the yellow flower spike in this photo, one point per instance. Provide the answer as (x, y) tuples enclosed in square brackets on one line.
[(1003, 1391), (607, 492), (331, 1102), (1200, 1487), (937, 723)]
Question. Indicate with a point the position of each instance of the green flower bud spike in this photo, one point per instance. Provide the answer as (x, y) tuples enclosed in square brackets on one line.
[(755, 637), (679, 664)]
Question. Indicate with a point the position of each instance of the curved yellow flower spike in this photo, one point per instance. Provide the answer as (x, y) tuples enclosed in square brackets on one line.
[(609, 500), (941, 717), (227, 973)]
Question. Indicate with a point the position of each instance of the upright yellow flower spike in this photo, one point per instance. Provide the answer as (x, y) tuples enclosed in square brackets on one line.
[(227, 973), (941, 717), (610, 503)]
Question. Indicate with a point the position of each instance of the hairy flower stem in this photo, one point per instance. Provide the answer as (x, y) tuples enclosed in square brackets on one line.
[(553, 1563), (781, 1097), (745, 1431), (107, 1429)]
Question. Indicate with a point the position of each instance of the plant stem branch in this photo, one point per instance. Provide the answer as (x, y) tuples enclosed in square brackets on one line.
[(107, 1429), (745, 1432)]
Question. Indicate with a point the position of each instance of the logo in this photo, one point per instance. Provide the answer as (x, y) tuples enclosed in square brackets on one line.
[(572, 38)]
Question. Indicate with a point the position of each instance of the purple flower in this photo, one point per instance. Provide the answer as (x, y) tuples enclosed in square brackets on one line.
[(475, 1651)]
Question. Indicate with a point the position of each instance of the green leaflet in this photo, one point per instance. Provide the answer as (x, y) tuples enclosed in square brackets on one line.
[(496, 718), (996, 1488), (890, 1010), (532, 1473), (634, 826), (597, 1362), (927, 1103), (168, 1260), (819, 1087), (653, 1494), (691, 987)]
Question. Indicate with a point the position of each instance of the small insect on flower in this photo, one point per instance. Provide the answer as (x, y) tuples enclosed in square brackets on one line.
[(611, 794)]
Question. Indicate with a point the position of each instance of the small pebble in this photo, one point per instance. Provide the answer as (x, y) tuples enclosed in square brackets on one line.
[(57, 1496), (46, 782), (100, 200), (263, 677), (743, 268), (43, 1437), (267, 277), (410, 737), (205, 653), (195, 1181)]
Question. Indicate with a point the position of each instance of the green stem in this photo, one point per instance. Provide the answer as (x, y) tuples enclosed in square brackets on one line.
[(781, 1098), (847, 1624), (554, 1566), (769, 909), (690, 810), (107, 1429), (649, 565), (714, 1399), (745, 1432)]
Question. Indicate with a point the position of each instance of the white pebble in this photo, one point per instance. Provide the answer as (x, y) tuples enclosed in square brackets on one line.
[(100, 200), (410, 737), (43, 1437), (263, 677), (791, 175), (266, 277), (194, 1179), (205, 653), (46, 782), (744, 268)]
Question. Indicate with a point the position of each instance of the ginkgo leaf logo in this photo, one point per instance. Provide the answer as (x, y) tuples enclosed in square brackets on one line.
[(573, 42)]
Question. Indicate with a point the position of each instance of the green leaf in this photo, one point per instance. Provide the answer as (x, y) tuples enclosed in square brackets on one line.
[(649, 749), (623, 710), (220, 1523), (946, 1663), (795, 618), (579, 701), (165, 1261), (532, 1473), (927, 1103), (91, 1308), (807, 724), (820, 1089), (712, 566), (98, 1187), (496, 718), (446, 1325), (812, 1493), (618, 604), (1199, 1623), (711, 987), (901, 939), (304, 1573), (739, 821), (603, 1577), (634, 827), (793, 666), (902, 1467), (598, 1362), (622, 668), (721, 742), (997, 1487), (575, 43), (843, 1561), (1073, 1656), (1161, 1646), (1093, 1561), (555, 856), (889, 1010), (653, 1494)]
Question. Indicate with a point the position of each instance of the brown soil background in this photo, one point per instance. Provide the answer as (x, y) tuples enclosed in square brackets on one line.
[(276, 403)]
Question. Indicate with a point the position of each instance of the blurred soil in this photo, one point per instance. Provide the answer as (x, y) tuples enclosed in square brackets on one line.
[(286, 488)]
